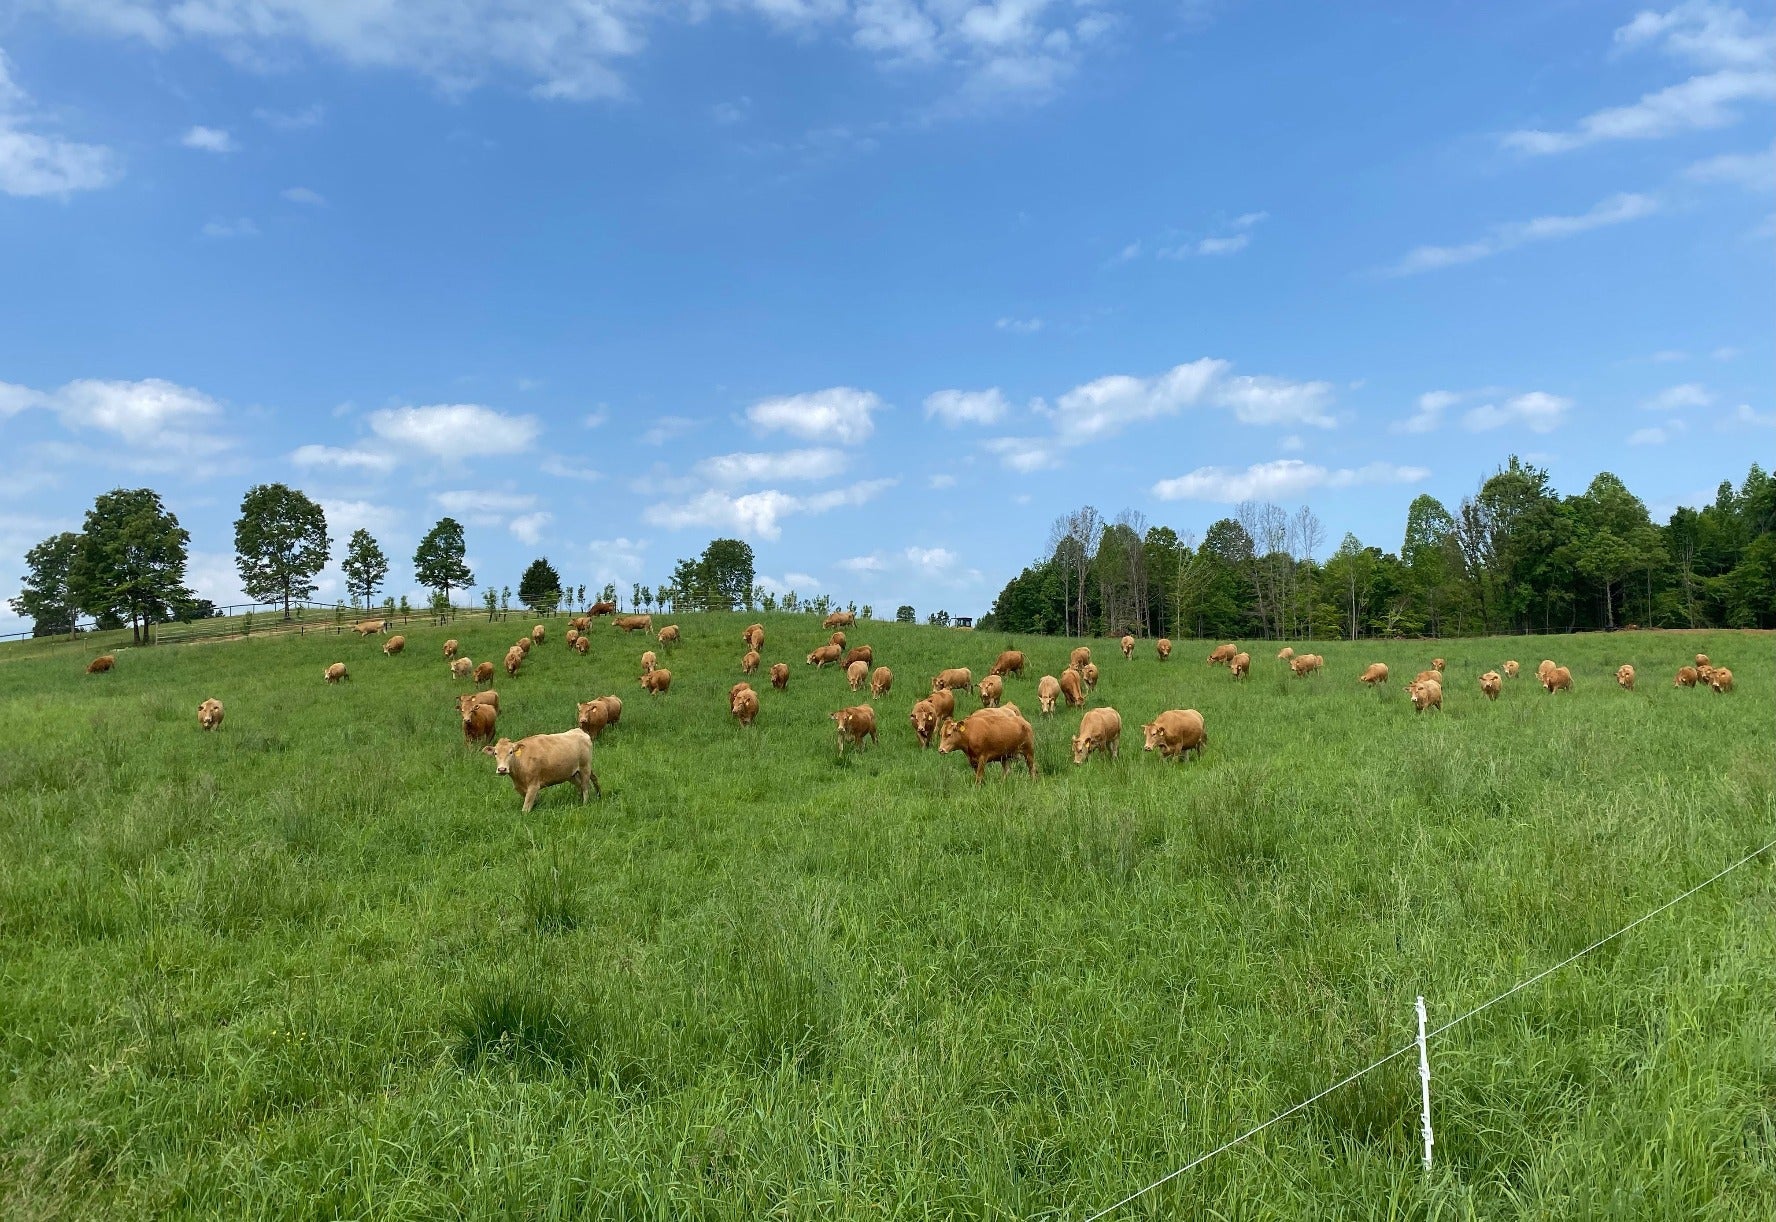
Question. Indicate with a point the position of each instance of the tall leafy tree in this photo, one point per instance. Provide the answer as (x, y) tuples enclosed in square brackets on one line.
[(280, 543), (438, 561), (365, 566), (540, 586), (131, 564), (726, 570), (47, 597)]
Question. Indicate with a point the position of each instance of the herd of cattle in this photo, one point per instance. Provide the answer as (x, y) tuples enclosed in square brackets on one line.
[(996, 732)]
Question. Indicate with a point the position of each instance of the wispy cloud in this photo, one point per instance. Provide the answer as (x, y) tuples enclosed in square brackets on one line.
[(958, 407), (1431, 406), (1677, 398), (757, 515), (1019, 326), (35, 164), (209, 140), (1616, 210), (1281, 479), (1538, 411), (239, 227), (304, 195)]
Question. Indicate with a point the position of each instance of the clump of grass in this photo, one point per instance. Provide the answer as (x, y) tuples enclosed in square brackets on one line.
[(521, 1026), (786, 999), (549, 900)]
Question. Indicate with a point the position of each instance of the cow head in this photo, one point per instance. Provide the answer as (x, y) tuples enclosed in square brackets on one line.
[(1152, 736), (949, 736), (503, 752)]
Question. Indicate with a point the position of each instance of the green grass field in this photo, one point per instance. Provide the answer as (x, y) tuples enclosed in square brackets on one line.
[(318, 965)]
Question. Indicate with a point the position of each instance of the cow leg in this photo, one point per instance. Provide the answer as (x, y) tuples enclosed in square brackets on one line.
[(530, 796)]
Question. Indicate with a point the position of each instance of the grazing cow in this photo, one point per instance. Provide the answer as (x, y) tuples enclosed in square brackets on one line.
[(992, 691), (582, 645), (1047, 692), (393, 646), (1542, 668), (1377, 672), (523, 645), (1625, 677), (1164, 648), (1128, 647), (1422, 675), (1174, 733), (1306, 664), (1427, 694), (1089, 676), (657, 681), (881, 681), (753, 637), (542, 760), (749, 662), (594, 717), (1072, 689), (925, 722), (1721, 681), (449, 649), (1437, 665), (1701, 660), (1558, 679), (837, 638), (484, 672), (1705, 675), (209, 713), (539, 634), (839, 619), (823, 656), (956, 676), (490, 698), (478, 720), (744, 706), (1221, 655), (580, 623), (462, 668), (1241, 665), (336, 673), (944, 702), (1079, 657), (601, 608), (1511, 669), (855, 724), (634, 623), (101, 664), (989, 736), (648, 660), (573, 634), (1099, 730), (779, 675), (514, 659), (1011, 662), (863, 653), (1491, 683), (857, 674), (742, 686), (1285, 653), (668, 635), (1686, 677), (613, 709), (370, 627)]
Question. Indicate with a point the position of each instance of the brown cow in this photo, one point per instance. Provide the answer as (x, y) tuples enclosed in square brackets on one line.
[(648, 660), (478, 719), (857, 674), (1241, 665), (336, 672), (542, 760), (1559, 679), (490, 698), (1422, 675), (944, 701), (1306, 664), (1221, 655), (1686, 677), (1701, 660), (1285, 653), (613, 708), (736, 689), (1163, 646), (594, 717), (1721, 681), (657, 681), (449, 649), (744, 706), (925, 722), (1625, 677), (1175, 732), (484, 672), (992, 691), (1089, 675), (523, 645), (753, 637), (1128, 647), (1427, 694), (1542, 668), (1071, 688), (634, 623), (1437, 665), (881, 680), (837, 638), (603, 608), (580, 623), (393, 646), (1376, 672), (539, 634), (956, 676), (1099, 730), (839, 619), (1491, 684), (209, 713), (668, 635), (988, 736), (1511, 669), (582, 645), (863, 653), (1079, 657), (514, 659), (780, 676), (101, 664), (462, 668), (823, 656), (573, 634), (855, 723), (1047, 692), (1705, 675), (1010, 662), (370, 627), (749, 662)]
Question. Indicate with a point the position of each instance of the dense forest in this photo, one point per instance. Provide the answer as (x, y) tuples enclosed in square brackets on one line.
[(1513, 557)]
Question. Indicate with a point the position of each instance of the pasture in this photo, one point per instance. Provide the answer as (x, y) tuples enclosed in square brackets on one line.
[(317, 965)]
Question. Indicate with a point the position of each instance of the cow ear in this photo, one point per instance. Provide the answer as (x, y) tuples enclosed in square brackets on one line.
[(487, 751)]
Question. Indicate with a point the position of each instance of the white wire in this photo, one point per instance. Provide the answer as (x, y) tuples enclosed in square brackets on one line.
[(1521, 985)]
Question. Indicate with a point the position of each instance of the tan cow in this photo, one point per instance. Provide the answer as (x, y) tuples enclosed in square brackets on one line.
[(1721, 681), (863, 653), (944, 701), (753, 637), (1491, 684), (992, 691), (1306, 664), (1427, 694), (484, 672), (583, 644), (1511, 669), (855, 724), (523, 645), (101, 664), (648, 661), (1099, 730), (956, 676), (1174, 733), (612, 706), (1047, 692), (393, 646), (1686, 677), (1625, 677), (1705, 675), (749, 662), (1559, 679), (1164, 647), (1071, 688), (462, 668), (449, 649), (1221, 655), (1701, 660), (1079, 657), (539, 634), (336, 673), (839, 619), (1088, 675), (1285, 653), (370, 627), (669, 635), (209, 713), (823, 656), (601, 608), (657, 681), (857, 674), (837, 638), (1376, 672), (490, 698), (925, 721), (1010, 662), (1437, 665), (744, 706), (634, 623), (573, 634), (779, 675), (580, 623), (1543, 667), (1128, 647), (594, 716), (542, 760), (1240, 666), (989, 736), (881, 681), (478, 718), (514, 659)]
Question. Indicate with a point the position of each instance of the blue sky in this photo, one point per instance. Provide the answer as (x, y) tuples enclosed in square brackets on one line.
[(882, 286)]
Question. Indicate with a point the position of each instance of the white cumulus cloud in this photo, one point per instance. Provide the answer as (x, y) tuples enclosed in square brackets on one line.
[(1280, 479), (958, 407), (1677, 398), (208, 140), (757, 514), (529, 527), (342, 458), (1431, 406), (454, 431), (840, 414), (35, 164), (1538, 411), (733, 470)]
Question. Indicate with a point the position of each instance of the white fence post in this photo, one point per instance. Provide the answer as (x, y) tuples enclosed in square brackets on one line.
[(1424, 1079)]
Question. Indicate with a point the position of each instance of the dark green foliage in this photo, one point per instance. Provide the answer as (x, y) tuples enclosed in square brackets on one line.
[(131, 564), (280, 543), (540, 586), (47, 597), (438, 561), (365, 567)]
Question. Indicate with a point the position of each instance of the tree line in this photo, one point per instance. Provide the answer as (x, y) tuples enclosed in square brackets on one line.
[(1512, 557)]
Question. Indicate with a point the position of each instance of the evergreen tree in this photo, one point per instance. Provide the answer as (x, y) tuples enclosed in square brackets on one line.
[(540, 586), (438, 561), (365, 566)]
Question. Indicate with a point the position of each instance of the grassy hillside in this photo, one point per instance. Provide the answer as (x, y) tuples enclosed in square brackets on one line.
[(318, 965)]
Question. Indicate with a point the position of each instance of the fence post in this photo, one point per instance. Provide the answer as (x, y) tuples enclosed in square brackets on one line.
[(1424, 1079)]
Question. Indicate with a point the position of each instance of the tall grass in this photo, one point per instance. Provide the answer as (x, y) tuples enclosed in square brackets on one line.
[(317, 964)]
